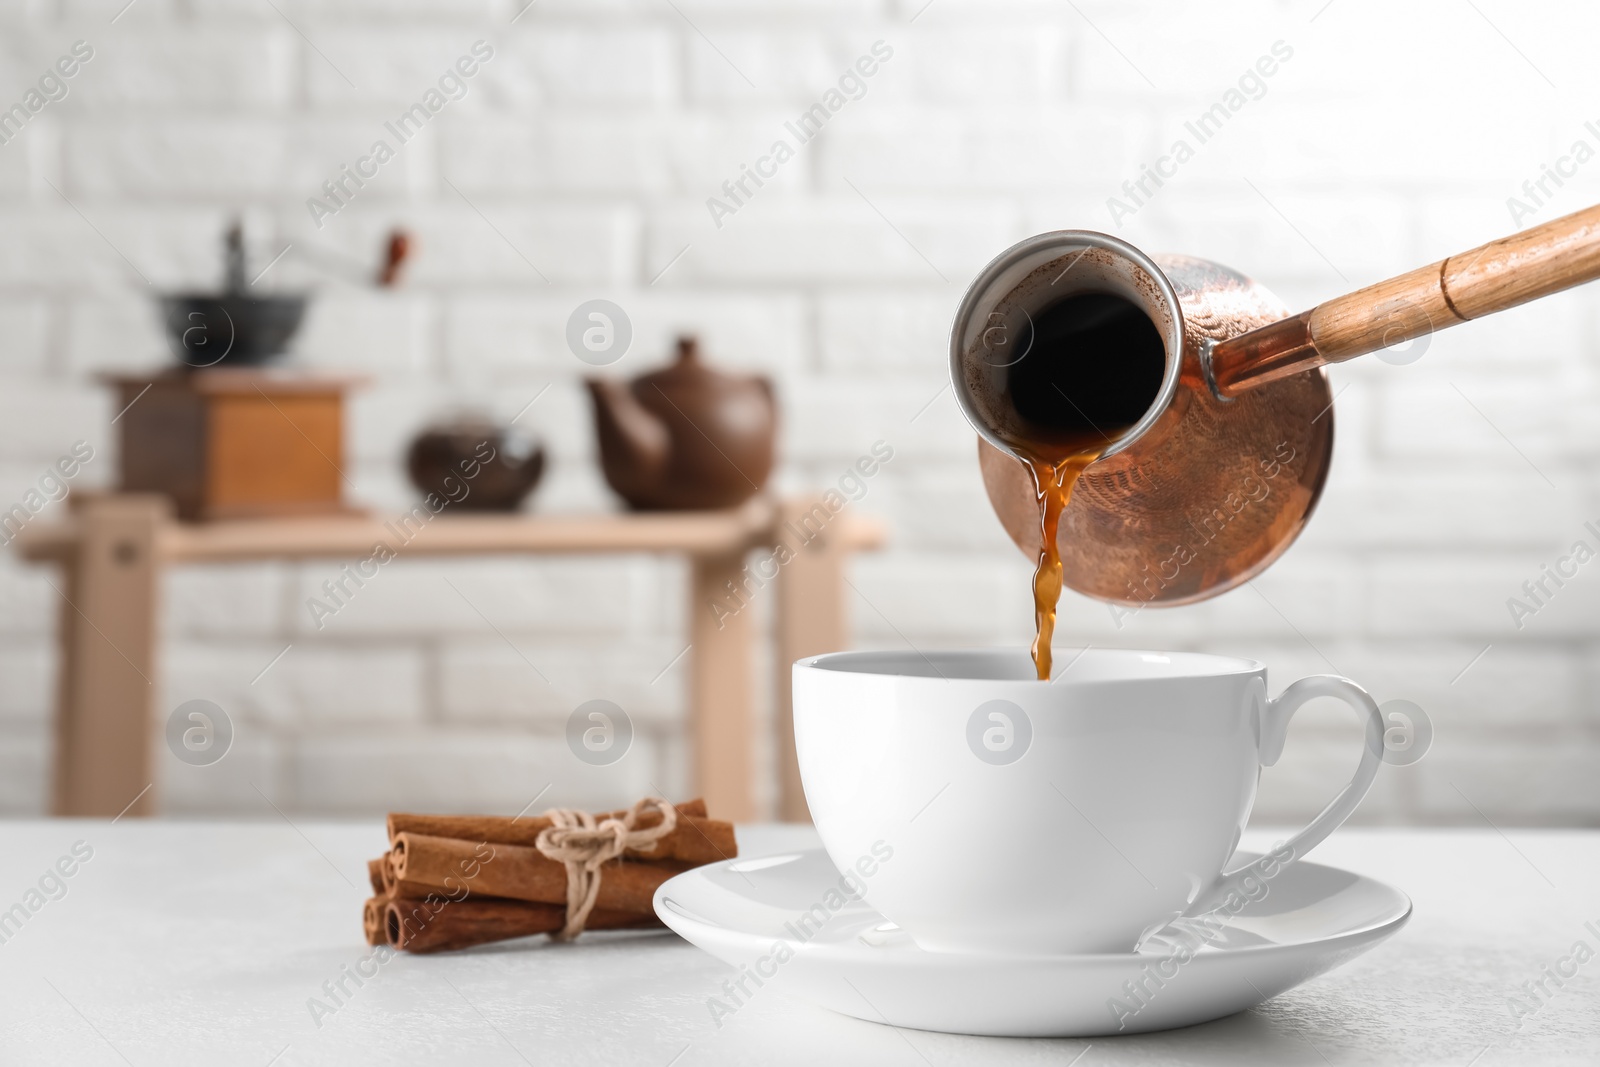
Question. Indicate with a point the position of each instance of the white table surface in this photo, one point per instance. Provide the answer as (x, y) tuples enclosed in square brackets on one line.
[(201, 943)]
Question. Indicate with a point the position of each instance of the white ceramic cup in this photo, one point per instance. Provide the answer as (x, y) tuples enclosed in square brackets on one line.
[(1070, 816)]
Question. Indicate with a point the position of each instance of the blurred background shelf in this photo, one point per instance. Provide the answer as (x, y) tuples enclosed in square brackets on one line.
[(113, 549)]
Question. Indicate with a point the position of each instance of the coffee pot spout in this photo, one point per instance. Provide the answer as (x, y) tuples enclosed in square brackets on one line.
[(634, 440)]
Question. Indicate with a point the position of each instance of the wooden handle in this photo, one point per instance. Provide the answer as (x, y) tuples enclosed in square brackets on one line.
[(1501, 274)]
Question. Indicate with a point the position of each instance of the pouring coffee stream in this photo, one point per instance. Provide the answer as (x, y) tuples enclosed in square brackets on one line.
[(1158, 430)]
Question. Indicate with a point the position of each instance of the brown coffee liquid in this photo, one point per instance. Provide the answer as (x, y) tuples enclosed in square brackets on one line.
[(1092, 368), (1052, 485)]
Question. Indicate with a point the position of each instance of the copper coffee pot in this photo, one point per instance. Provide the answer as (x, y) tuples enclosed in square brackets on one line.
[(1215, 411)]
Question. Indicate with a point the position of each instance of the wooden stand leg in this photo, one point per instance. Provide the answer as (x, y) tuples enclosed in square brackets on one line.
[(810, 621), (106, 698), (720, 677)]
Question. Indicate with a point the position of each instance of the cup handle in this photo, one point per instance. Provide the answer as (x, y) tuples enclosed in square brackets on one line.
[(1274, 730)]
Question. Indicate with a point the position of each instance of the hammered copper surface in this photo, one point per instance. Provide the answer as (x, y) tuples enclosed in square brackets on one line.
[(1212, 493)]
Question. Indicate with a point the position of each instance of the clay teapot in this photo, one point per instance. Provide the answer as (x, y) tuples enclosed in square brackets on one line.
[(475, 464), (686, 437), (1204, 398)]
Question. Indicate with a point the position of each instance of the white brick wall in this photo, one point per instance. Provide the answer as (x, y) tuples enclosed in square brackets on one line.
[(578, 166)]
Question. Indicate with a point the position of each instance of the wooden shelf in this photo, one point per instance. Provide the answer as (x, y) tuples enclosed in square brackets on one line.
[(114, 548), (702, 533)]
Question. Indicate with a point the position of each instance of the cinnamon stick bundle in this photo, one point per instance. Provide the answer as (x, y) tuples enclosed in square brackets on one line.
[(474, 921), (453, 881), (695, 840), (444, 866), (372, 919)]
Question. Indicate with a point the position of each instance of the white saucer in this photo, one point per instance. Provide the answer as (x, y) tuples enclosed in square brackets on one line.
[(746, 912)]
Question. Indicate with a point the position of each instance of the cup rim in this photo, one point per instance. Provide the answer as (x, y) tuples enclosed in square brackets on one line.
[(945, 665)]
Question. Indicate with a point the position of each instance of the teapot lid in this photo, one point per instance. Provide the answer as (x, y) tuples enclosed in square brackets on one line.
[(688, 369)]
